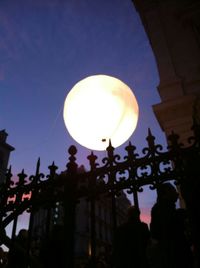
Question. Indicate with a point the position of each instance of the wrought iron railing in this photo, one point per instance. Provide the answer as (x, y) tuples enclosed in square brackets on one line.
[(116, 173)]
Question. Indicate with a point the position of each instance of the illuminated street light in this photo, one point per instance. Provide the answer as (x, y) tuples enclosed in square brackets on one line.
[(100, 108)]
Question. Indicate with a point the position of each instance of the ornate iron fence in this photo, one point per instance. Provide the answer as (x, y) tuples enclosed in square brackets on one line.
[(130, 172)]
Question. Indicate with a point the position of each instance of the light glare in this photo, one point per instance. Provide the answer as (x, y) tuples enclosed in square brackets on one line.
[(99, 108)]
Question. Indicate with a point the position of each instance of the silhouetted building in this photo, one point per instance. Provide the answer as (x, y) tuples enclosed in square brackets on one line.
[(104, 226), (173, 29), (103, 222), (5, 150)]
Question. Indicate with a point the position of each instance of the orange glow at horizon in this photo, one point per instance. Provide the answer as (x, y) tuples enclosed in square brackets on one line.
[(145, 218)]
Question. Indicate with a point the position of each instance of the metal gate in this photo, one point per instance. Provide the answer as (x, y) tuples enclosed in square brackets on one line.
[(153, 167)]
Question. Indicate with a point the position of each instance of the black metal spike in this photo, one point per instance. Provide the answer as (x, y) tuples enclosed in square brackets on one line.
[(52, 169), (130, 150), (110, 149), (150, 139), (38, 166)]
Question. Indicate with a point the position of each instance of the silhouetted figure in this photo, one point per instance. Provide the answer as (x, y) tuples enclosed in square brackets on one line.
[(170, 247), (131, 241), (17, 256)]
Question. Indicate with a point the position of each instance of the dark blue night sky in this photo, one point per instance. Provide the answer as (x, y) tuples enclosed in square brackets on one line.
[(46, 46)]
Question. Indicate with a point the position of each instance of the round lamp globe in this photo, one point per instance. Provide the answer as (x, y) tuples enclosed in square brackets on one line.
[(100, 108)]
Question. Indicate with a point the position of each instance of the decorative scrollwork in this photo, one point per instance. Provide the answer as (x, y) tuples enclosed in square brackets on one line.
[(114, 175)]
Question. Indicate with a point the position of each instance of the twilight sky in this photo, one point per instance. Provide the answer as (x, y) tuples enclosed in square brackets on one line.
[(46, 46)]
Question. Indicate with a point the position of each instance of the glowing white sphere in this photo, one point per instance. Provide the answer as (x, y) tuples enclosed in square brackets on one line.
[(99, 108)]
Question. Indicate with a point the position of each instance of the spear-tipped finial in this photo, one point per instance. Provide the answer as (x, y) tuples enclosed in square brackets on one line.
[(52, 168), (150, 138), (149, 132), (110, 147), (38, 166)]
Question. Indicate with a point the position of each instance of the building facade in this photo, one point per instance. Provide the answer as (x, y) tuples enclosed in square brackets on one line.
[(173, 30), (5, 150), (103, 223), (45, 220)]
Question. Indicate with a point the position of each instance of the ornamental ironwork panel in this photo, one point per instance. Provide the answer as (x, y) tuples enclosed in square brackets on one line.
[(114, 174)]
